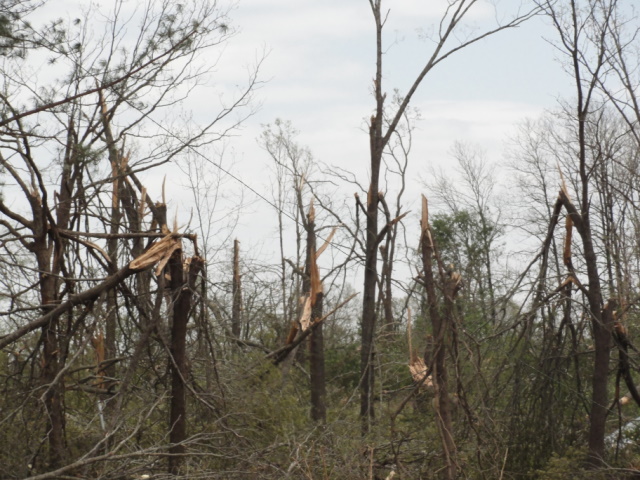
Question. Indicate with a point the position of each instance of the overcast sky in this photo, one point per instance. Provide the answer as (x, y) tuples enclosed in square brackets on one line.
[(319, 68)]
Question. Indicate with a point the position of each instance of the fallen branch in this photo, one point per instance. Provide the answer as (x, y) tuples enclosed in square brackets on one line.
[(144, 262), (281, 354)]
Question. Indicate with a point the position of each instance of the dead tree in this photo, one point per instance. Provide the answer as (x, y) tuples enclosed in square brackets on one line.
[(574, 25), (182, 285), (64, 136), (313, 285), (310, 321)]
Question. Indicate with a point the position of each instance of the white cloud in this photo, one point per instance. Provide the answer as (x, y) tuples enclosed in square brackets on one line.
[(304, 20)]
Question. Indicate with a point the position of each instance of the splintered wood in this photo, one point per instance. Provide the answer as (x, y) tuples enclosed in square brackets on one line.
[(160, 252), (98, 345), (417, 367), (305, 318), (308, 301), (326, 242), (424, 220)]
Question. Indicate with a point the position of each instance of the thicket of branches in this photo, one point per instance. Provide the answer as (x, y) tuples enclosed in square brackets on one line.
[(488, 335)]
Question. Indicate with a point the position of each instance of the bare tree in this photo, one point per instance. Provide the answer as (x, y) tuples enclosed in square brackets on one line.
[(99, 96), (296, 167), (573, 23), (446, 43)]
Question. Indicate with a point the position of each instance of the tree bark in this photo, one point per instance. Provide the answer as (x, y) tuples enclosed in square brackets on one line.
[(182, 294), (50, 249), (316, 344), (53, 399)]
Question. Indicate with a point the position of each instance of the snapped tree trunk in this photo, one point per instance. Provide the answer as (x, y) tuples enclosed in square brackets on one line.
[(182, 294), (312, 284)]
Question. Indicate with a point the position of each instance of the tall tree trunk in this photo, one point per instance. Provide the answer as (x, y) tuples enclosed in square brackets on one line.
[(53, 399), (602, 326), (602, 330), (316, 363), (367, 353), (316, 343)]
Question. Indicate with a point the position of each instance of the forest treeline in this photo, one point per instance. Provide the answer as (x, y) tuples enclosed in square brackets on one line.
[(481, 336)]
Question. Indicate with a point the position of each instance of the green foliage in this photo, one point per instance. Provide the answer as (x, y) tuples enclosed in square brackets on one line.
[(342, 365), (10, 37), (573, 466), (467, 240), (462, 237)]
